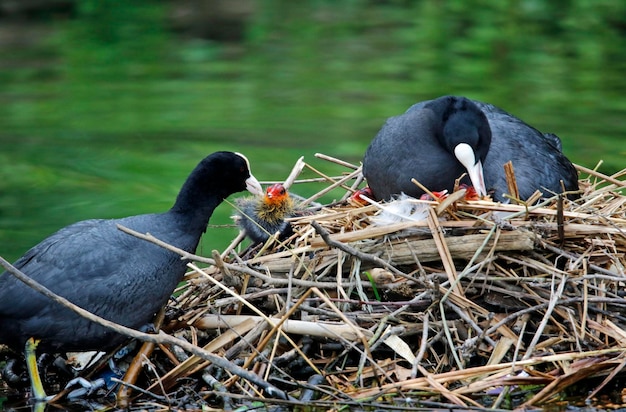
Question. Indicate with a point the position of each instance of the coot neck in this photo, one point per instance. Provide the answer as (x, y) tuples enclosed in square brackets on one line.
[(196, 202)]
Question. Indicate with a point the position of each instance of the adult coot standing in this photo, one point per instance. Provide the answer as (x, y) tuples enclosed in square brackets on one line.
[(110, 273), (436, 141)]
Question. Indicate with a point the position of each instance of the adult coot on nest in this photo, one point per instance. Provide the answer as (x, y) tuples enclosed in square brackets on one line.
[(262, 216), (110, 273), (436, 141)]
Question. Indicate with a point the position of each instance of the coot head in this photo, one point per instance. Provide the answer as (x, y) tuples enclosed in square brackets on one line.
[(215, 178), (358, 196), (465, 132), (276, 194)]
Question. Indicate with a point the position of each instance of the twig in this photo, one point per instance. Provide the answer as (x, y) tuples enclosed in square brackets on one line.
[(355, 252), (159, 338), (423, 344), (335, 184), (595, 173), (337, 161), (161, 398), (574, 256), (239, 268), (554, 298), (295, 172), (123, 394), (511, 182), (470, 321)]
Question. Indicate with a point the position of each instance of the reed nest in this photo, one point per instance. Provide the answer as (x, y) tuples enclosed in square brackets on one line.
[(474, 304)]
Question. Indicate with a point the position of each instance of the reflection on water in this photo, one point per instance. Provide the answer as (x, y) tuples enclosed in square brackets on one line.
[(103, 115)]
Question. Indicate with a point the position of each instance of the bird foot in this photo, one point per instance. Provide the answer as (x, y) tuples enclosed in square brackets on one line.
[(13, 374), (86, 387)]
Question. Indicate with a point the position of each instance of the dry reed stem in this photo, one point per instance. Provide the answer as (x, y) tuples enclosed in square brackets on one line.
[(586, 266)]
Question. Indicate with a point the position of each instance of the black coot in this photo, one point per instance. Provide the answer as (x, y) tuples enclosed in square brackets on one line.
[(110, 273), (436, 141)]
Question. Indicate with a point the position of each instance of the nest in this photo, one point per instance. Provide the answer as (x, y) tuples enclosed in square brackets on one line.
[(475, 304)]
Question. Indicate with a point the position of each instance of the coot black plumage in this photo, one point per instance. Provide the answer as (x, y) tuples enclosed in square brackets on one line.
[(110, 273), (434, 144), (262, 216), (537, 157), (436, 141)]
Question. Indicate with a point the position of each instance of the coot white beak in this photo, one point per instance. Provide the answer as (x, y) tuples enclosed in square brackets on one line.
[(253, 186), (465, 154)]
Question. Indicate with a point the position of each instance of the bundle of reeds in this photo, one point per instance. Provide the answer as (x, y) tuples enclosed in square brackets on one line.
[(463, 302)]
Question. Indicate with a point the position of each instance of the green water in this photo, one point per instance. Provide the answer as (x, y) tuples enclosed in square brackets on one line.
[(104, 115)]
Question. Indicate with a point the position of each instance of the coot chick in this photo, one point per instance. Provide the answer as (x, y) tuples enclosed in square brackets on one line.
[(262, 216), (358, 197), (430, 142), (110, 273), (470, 194)]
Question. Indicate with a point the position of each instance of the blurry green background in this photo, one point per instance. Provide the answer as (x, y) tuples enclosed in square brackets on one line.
[(105, 106)]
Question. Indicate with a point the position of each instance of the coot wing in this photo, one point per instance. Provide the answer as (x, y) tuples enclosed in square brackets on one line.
[(538, 161), (87, 260)]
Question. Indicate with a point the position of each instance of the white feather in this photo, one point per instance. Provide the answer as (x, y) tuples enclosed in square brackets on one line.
[(403, 208)]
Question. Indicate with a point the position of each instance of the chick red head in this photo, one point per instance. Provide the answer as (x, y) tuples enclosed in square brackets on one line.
[(470, 192), (276, 194), (366, 191), (439, 196)]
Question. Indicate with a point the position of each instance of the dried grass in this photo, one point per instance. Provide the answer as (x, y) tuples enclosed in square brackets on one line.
[(473, 305)]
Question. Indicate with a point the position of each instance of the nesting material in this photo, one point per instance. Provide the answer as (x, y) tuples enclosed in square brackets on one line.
[(466, 305), (474, 304)]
